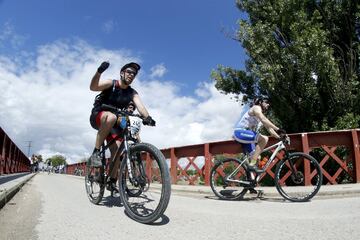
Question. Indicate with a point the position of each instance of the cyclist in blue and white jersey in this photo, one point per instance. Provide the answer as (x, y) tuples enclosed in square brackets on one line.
[(246, 130)]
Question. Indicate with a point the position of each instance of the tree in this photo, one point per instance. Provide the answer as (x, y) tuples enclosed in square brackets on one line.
[(56, 160), (36, 158), (303, 55)]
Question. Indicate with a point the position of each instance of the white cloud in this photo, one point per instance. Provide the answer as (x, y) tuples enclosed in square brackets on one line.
[(49, 102), (8, 35), (108, 26), (158, 70)]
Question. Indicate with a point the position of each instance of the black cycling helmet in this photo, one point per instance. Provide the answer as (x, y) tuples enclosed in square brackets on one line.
[(259, 100), (131, 65)]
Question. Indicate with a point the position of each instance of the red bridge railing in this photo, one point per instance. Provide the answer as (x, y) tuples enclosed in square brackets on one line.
[(12, 159), (70, 169), (337, 152)]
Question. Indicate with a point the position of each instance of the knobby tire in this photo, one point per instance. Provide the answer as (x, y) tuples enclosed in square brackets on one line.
[(136, 210), (223, 189), (293, 187)]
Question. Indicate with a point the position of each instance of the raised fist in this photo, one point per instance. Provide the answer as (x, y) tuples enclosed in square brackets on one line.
[(103, 67)]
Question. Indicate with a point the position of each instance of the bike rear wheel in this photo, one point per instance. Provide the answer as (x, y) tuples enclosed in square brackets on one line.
[(224, 185), (146, 196), (94, 183), (298, 178)]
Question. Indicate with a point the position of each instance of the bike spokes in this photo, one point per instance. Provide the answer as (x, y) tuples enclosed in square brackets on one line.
[(299, 177), (94, 183), (145, 195), (227, 179)]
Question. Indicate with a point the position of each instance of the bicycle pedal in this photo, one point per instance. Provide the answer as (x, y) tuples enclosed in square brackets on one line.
[(260, 193), (253, 191), (111, 188)]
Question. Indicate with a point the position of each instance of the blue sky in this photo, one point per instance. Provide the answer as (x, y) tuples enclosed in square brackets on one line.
[(188, 37), (49, 50)]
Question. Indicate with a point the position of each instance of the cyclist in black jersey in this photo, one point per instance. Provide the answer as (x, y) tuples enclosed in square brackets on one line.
[(117, 93)]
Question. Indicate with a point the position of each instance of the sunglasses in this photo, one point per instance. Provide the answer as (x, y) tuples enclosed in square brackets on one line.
[(130, 72)]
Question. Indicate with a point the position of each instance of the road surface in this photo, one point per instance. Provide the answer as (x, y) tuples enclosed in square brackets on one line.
[(56, 207)]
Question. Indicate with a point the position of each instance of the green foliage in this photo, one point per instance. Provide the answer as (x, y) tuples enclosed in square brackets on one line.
[(348, 121), (36, 158), (56, 160), (221, 157), (303, 55)]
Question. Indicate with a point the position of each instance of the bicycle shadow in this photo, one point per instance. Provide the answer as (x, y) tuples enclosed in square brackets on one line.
[(252, 197), (163, 220), (114, 201), (111, 201), (141, 207)]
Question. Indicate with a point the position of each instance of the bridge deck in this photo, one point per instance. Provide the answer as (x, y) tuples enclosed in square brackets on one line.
[(55, 206)]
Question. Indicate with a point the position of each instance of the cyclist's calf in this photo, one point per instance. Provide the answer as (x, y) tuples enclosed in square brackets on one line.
[(262, 141)]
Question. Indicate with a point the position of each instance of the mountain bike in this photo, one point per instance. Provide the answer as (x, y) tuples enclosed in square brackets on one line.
[(144, 180), (298, 176), (78, 172)]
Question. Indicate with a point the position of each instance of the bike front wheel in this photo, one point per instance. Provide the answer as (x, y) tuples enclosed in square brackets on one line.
[(228, 178), (146, 194), (94, 183), (298, 177)]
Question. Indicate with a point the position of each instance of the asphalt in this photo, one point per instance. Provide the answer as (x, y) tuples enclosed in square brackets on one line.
[(326, 191), (10, 184)]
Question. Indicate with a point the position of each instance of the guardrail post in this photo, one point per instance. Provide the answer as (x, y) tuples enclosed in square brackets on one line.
[(14, 159), (8, 158), (83, 167), (207, 167), (3, 157), (356, 149), (19, 160), (306, 149), (173, 166), (11, 157)]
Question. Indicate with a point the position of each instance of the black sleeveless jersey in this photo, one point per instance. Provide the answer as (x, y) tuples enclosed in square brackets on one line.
[(114, 96)]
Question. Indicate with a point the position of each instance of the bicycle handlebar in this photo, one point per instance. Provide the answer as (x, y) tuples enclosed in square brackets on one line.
[(285, 139), (119, 111)]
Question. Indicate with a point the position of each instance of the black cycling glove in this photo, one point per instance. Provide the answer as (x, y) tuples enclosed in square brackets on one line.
[(281, 131), (149, 121), (103, 67)]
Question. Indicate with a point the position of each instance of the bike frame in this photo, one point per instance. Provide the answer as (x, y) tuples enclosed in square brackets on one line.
[(122, 150), (278, 147)]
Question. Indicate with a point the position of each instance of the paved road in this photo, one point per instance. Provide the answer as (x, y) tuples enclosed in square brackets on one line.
[(11, 177), (56, 207)]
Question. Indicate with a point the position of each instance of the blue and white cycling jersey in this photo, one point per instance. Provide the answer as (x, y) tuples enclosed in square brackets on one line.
[(248, 121), (246, 130)]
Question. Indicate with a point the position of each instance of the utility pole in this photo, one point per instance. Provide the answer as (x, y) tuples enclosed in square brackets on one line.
[(29, 146)]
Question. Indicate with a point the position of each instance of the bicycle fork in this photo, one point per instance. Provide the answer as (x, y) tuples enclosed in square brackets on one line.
[(127, 158), (130, 167)]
